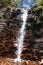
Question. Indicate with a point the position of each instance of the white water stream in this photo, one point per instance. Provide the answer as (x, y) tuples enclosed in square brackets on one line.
[(20, 39)]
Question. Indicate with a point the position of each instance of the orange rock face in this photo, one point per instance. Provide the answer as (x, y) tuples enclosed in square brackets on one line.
[(23, 62)]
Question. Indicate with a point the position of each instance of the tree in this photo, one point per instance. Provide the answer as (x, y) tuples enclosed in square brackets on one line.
[(6, 3), (39, 2), (18, 1)]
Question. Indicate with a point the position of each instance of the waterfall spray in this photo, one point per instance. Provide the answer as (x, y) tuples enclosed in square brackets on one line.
[(20, 39)]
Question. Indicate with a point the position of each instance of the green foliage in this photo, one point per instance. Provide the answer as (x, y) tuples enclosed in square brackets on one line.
[(1, 19), (3, 3), (38, 7), (39, 12), (7, 3), (39, 2), (18, 1)]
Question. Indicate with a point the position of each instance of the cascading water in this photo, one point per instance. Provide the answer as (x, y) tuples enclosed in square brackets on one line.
[(20, 39), (22, 31)]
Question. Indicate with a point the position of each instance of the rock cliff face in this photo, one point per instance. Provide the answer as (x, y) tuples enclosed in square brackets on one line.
[(9, 33)]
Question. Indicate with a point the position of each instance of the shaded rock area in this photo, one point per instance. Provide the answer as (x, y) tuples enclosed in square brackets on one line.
[(33, 41)]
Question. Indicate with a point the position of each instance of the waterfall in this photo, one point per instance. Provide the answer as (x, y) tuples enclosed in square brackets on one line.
[(20, 39)]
